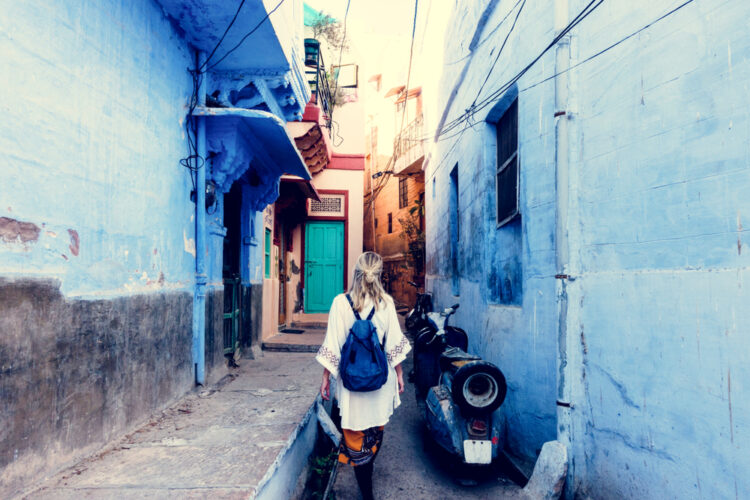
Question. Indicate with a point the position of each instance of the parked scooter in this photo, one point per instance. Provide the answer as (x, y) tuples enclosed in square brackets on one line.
[(457, 391), (416, 319)]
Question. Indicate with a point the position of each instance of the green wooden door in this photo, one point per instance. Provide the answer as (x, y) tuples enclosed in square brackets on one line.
[(324, 264)]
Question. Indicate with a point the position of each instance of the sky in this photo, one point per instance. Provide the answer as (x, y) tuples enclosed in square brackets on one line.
[(380, 34)]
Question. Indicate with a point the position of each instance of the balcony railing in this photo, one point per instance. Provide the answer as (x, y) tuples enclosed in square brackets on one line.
[(411, 137), (317, 78)]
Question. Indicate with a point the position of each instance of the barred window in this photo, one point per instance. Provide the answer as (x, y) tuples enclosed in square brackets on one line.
[(403, 196), (506, 176)]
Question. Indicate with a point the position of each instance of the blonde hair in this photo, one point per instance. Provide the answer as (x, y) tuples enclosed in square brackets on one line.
[(366, 281)]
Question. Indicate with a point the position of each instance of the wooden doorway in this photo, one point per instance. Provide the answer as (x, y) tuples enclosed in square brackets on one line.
[(324, 264)]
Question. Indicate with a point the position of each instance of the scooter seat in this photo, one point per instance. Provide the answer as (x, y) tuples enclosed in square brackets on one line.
[(454, 358)]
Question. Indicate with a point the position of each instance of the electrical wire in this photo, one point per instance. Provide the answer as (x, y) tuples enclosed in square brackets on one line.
[(197, 77), (607, 49), (408, 73), (456, 122), (579, 18), (471, 111), (489, 35), (216, 47), (341, 52), (499, 53), (387, 172), (247, 35)]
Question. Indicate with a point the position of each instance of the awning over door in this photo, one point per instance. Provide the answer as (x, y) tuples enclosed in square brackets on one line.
[(251, 143)]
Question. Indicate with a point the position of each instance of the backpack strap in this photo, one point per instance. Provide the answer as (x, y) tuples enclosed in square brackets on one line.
[(356, 314), (369, 317)]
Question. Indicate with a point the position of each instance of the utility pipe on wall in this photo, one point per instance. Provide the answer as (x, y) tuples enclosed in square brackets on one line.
[(565, 375), (199, 299)]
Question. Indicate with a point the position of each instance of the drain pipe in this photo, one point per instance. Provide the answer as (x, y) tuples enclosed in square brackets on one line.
[(199, 299), (565, 405)]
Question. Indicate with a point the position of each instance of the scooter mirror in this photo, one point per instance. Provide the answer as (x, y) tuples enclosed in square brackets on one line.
[(455, 306)]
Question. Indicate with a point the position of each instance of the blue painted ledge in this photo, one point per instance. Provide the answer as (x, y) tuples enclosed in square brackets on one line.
[(239, 139)]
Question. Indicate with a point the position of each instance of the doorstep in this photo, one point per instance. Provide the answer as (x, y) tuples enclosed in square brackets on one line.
[(308, 340), (248, 437)]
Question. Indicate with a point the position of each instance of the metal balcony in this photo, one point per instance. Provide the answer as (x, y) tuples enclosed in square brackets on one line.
[(317, 78), (408, 148)]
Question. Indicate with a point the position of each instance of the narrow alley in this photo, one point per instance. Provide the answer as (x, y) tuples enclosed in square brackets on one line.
[(214, 212), (246, 437)]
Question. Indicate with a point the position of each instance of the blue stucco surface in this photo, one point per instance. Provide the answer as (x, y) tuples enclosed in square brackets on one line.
[(656, 351), (94, 97), (98, 250)]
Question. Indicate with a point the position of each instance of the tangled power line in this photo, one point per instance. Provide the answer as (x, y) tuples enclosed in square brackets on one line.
[(457, 126)]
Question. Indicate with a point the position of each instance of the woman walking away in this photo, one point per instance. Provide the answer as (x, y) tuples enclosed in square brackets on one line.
[(363, 349)]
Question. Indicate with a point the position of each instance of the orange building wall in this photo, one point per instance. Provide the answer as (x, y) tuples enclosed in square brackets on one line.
[(391, 246)]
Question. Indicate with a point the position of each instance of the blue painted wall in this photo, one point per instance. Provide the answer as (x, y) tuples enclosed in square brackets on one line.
[(94, 97), (659, 170), (97, 229), (93, 101), (506, 292)]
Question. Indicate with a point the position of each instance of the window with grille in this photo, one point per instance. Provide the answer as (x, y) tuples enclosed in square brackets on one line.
[(403, 193), (326, 204), (330, 205), (506, 176)]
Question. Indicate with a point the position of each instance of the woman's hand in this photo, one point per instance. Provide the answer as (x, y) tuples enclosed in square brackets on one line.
[(400, 377), (325, 385)]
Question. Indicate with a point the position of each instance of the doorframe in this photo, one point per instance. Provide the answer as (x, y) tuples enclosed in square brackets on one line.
[(283, 264), (344, 219)]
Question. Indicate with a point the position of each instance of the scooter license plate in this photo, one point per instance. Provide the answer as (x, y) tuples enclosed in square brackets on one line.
[(477, 451)]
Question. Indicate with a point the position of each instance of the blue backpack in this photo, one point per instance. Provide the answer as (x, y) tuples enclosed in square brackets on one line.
[(363, 366)]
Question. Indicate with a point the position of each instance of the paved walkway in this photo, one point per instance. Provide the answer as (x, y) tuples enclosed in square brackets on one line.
[(219, 444), (406, 469)]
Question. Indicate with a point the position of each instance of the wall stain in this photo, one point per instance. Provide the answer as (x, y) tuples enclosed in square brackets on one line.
[(295, 268), (74, 242), (14, 231), (729, 400), (583, 342)]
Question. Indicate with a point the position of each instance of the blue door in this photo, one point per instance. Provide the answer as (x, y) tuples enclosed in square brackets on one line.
[(324, 264)]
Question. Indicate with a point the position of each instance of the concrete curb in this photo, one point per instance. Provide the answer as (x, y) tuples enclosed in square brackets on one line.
[(287, 471)]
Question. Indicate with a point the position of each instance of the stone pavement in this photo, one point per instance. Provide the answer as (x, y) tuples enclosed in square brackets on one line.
[(406, 468), (225, 442)]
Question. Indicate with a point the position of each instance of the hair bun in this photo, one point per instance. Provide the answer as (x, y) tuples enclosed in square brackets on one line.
[(370, 276)]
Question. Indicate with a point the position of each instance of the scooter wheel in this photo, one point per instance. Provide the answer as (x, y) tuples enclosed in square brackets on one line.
[(478, 387)]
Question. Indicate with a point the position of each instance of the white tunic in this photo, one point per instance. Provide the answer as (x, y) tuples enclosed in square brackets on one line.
[(362, 410)]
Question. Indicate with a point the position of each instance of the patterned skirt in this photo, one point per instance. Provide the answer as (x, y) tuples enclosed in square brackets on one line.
[(360, 447)]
